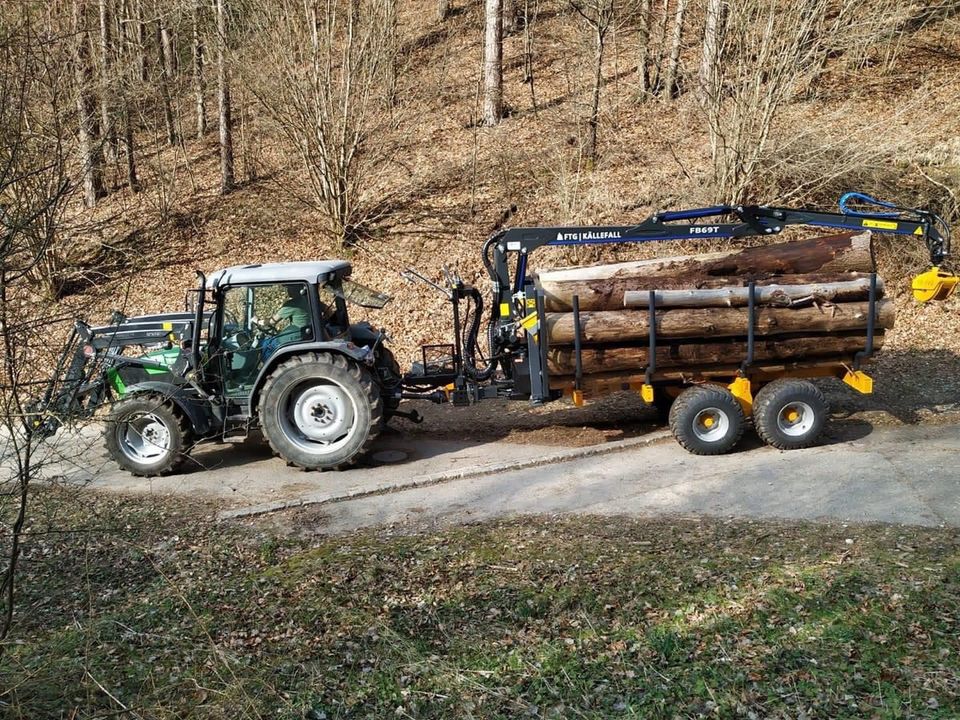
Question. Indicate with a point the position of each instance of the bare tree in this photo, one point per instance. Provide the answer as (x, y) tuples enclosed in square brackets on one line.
[(643, 50), (320, 76), (199, 81), (656, 81), (91, 155), (770, 53), (493, 63), (33, 189), (676, 38), (223, 95), (529, 13), (130, 52), (598, 16), (106, 82), (165, 47), (509, 16), (711, 49)]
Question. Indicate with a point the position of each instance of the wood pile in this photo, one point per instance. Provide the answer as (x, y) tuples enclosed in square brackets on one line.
[(811, 304)]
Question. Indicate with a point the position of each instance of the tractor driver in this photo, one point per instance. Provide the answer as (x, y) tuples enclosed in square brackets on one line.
[(296, 312), (296, 308)]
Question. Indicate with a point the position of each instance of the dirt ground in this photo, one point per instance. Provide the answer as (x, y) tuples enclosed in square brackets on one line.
[(910, 386)]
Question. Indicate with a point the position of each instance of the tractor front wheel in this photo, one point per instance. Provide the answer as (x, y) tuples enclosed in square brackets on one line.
[(320, 411), (147, 436)]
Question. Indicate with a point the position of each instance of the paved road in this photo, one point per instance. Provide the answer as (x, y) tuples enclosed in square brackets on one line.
[(901, 475)]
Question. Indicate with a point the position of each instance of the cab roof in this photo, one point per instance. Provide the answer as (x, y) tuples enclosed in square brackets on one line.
[(309, 271)]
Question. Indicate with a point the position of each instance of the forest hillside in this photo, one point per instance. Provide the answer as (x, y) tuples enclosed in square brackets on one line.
[(369, 130)]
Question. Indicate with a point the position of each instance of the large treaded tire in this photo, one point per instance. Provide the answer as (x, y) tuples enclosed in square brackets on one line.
[(701, 404), (773, 411), (315, 387), (151, 408)]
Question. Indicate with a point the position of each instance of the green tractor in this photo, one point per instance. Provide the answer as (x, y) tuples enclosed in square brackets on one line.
[(260, 347)]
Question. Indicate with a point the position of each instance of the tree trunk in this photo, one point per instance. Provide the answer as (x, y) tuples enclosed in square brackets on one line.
[(621, 326), (443, 9), (643, 50), (141, 29), (106, 84), (223, 94), (91, 156), (711, 51), (657, 81), (129, 151), (509, 16), (199, 83), (590, 150), (670, 77), (603, 286), (166, 76), (528, 74), (493, 64), (562, 360), (778, 294)]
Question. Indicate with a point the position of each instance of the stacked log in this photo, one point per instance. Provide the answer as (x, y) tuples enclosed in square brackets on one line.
[(811, 301)]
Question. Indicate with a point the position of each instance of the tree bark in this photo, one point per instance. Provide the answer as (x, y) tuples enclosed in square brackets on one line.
[(133, 182), (223, 94), (643, 50), (711, 51), (670, 77), (509, 16), (199, 83), (777, 294), (657, 80), (91, 156), (562, 360), (493, 64), (141, 30), (166, 75), (603, 286), (590, 150), (106, 83), (620, 326)]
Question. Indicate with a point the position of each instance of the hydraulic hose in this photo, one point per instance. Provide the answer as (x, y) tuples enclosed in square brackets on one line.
[(473, 335)]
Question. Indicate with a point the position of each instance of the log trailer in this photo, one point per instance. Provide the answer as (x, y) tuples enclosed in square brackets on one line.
[(321, 388)]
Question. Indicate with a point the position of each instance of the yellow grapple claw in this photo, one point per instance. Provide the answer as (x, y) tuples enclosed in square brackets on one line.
[(934, 284)]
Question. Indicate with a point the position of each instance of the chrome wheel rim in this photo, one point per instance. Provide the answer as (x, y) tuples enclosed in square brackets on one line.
[(795, 419), (144, 438), (711, 424), (317, 417)]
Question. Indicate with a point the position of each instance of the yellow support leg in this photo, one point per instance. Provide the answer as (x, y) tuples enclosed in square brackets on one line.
[(859, 381), (741, 390)]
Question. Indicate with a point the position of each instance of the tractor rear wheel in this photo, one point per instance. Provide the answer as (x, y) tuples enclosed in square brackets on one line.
[(320, 411), (147, 436), (789, 414), (707, 420)]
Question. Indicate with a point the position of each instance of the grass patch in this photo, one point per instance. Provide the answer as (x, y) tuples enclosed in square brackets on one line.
[(153, 610)]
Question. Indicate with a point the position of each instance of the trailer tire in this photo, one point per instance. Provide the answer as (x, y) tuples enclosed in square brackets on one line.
[(707, 420), (790, 414), (320, 411), (147, 435)]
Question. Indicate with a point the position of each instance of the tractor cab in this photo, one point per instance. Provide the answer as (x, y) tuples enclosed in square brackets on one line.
[(265, 312)]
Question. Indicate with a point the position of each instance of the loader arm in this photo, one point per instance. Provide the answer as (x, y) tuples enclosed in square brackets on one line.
[(751, 220)]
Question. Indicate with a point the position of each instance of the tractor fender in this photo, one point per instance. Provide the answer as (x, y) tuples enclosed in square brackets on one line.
[(196, 409), (362, 355)]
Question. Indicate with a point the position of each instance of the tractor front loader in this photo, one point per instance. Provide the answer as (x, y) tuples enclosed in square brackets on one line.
[(265, 346)]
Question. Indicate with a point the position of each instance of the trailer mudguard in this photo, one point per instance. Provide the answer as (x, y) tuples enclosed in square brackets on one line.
[(185, 398)]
